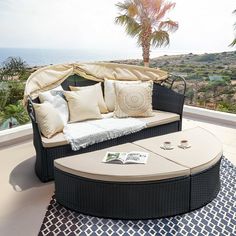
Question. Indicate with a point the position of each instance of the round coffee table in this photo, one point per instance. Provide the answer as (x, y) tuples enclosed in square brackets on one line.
[(169, 184)]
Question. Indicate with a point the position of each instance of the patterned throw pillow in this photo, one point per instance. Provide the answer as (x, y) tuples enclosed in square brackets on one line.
[(134, 100), (109, 91)]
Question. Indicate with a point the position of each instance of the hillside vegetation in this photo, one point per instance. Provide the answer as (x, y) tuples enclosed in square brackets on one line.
[(211, 78)]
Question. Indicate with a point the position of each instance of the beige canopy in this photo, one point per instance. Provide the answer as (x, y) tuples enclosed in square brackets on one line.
[(52, 76)]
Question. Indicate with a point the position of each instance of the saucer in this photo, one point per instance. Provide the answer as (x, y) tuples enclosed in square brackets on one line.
[(170, 148), (180, 146)]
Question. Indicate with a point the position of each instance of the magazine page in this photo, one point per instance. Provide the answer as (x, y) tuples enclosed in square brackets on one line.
[(137, 157), (115, 157)]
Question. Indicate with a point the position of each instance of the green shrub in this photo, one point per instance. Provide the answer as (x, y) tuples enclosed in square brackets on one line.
[(16, 111), (16, 91)]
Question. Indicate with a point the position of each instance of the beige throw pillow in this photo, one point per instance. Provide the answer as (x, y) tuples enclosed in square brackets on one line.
[(48, 119), (99, 94), (83, 105), (109, 91), (134, 100)]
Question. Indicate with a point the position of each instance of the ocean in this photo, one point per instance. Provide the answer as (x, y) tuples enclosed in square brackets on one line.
[(39, 57)]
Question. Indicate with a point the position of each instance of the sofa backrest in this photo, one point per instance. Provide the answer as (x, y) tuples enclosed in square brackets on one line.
[(163, 98), (76, 80)]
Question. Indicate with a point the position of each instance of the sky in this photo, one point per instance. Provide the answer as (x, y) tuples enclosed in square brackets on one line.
[(204, 26)]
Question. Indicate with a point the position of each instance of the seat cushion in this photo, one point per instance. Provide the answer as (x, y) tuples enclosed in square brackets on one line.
[(90, 165), (55, 141), (160, 118), (59, 139)]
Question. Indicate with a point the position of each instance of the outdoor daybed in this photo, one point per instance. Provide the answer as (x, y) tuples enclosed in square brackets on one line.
[(167, 105)]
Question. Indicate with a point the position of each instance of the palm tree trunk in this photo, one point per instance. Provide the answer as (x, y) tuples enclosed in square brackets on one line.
[(146, 44), (146, 54)]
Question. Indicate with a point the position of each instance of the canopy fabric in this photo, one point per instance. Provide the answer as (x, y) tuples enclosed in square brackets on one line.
[(52, 76)]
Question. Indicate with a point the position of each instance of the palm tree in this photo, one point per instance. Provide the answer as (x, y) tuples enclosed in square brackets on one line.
[(146, 20), (234, 41)]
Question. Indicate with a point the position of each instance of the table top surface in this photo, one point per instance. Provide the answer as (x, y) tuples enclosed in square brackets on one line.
[(205, 151)]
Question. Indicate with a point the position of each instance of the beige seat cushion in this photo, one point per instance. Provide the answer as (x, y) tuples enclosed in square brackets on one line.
[(109, 91), (89, 165), (160, 118), (55, 141), (134, 100), (83, 105), (205, 149), (48, 119), (99, 94)]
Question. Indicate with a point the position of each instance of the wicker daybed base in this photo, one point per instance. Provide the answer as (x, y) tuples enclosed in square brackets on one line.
[(44, 161), (137, 200), (164, 99)]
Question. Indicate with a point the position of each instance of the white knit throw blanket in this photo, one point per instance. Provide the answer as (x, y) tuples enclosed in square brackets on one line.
[(83, 134)]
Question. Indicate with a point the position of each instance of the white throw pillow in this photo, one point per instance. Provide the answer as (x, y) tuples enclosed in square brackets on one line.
[(99, 94), (54, 97), (109, 91), (48, 119), (134, 100), (83, 105)]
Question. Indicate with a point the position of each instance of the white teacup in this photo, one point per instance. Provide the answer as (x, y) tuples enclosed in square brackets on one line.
[(184, 143), (167, 144)]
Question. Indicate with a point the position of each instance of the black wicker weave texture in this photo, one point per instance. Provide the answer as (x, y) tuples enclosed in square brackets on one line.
[(137, 200), (205, 186)]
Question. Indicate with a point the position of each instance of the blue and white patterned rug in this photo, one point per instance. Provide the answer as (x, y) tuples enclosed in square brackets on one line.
[(218, 218)]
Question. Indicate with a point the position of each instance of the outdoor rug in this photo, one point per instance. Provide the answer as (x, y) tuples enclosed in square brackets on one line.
[(218, 218)]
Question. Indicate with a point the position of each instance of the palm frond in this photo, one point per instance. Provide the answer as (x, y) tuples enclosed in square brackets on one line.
[(129, 7), (165, 8), (132, 27), (160, 38), (155, 6), (233, 43), (123, 6), (168, 25)]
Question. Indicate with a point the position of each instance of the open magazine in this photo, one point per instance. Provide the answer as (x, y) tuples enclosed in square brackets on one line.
[(126, 157)]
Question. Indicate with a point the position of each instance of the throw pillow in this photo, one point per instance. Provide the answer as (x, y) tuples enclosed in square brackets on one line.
[(83, 105), (99, 94), (134, 100), (55, 97), (48, 119), (109, 91)]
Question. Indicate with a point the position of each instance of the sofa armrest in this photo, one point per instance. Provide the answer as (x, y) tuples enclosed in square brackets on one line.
[(165, 99)]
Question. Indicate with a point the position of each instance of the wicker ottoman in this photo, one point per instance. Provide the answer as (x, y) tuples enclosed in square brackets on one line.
[(167, 185)]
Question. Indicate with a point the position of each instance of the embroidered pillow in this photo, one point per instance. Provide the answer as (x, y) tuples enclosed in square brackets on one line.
[(109, 92), (134, 100)]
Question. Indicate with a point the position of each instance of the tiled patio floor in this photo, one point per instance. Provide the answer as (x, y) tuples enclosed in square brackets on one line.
[(24, 199)]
